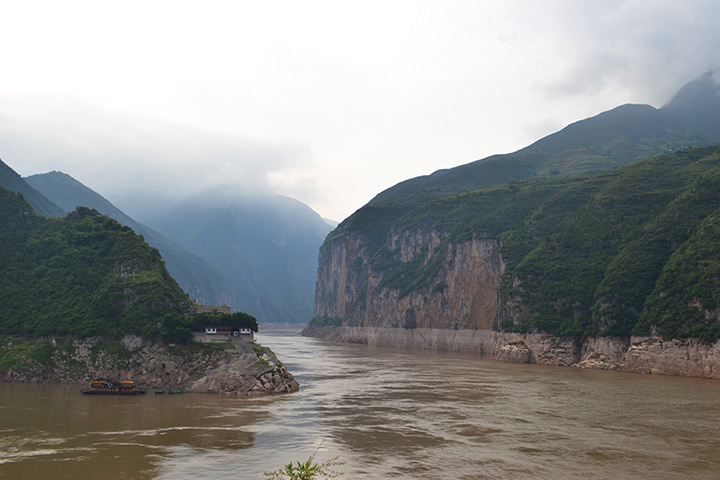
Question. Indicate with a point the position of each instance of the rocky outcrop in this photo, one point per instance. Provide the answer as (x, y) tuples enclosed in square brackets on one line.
[(650, 355), (235, 379), (274, 381), (236, 368), (516, 352), (255, 371)]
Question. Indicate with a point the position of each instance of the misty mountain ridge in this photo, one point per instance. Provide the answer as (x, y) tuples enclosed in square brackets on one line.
[(12, 181), (264, 245), (272, 240), (195, 275), (697, 105), (611, 139)]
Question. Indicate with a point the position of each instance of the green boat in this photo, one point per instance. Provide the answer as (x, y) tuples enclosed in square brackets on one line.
[(174, 392), (159, 392)]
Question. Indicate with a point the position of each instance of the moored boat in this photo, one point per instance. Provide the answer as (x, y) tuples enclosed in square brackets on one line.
[(103, 386)]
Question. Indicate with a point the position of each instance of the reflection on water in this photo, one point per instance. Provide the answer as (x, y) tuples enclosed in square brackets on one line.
[(387, 413)]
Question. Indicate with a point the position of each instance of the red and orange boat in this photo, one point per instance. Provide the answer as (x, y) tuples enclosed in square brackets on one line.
[(103, 386)]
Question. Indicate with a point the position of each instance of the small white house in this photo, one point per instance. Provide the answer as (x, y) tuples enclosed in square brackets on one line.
[(213, 330), (245, 333)]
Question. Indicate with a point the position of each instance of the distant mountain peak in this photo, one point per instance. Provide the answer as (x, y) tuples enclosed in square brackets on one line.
[(11, 180), (697, 104), (696, 92)]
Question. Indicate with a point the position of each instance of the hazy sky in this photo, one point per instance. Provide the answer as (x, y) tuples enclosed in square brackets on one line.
[(329, 102)]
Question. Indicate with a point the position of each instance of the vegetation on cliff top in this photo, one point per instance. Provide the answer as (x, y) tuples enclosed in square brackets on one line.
[(611, 139), (604, 252), (630, 251)]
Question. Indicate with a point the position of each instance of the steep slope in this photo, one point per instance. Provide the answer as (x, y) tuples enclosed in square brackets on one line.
[(196, 276), (82, 275), (264, 245), (614, 138), (512, 243), (10, 180), (629, 251)]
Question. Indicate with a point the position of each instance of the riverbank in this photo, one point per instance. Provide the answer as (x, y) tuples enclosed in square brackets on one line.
[(650, 355), (235, 367)]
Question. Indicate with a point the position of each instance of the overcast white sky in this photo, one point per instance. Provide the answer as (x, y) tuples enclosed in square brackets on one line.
[(329, 102)]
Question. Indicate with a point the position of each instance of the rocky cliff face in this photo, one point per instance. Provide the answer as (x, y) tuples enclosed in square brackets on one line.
[(246, 369), (460, 291), (457, 309)]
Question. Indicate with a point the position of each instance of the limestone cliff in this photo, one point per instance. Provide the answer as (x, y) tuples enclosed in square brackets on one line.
[(460, 290), (241, 368), (458, 309), (528, 244)]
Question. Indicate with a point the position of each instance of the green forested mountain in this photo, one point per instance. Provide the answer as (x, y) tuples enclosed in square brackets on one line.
[(254, 252), (85, 275), (595, 237), (202, 281), (633, 250), (614, 138)]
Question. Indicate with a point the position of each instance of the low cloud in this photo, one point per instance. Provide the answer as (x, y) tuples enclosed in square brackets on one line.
[(138, 161), (329, 102), (624, 46)]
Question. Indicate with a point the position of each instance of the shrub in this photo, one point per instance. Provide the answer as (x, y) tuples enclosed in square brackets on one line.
[(307, 471)]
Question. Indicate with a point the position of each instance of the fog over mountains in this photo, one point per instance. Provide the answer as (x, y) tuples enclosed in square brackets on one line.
[(254, 252), (258, 252), (200, 279), (264, 245)]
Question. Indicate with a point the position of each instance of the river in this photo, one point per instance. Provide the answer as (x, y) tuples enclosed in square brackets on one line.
[(385, 413)]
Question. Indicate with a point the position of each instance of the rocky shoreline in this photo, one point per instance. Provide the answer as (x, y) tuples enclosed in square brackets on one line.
[(649, 355), (239, 368)]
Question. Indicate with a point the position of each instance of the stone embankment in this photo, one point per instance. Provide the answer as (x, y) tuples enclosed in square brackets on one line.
[(240, 367), (687, 357)]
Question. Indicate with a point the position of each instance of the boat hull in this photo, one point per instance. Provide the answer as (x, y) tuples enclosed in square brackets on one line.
[(89, 391)]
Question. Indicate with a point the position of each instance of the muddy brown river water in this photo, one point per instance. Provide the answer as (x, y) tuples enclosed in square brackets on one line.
[(386, 413)]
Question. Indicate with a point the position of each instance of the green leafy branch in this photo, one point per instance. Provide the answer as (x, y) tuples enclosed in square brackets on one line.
[(308, 470)]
